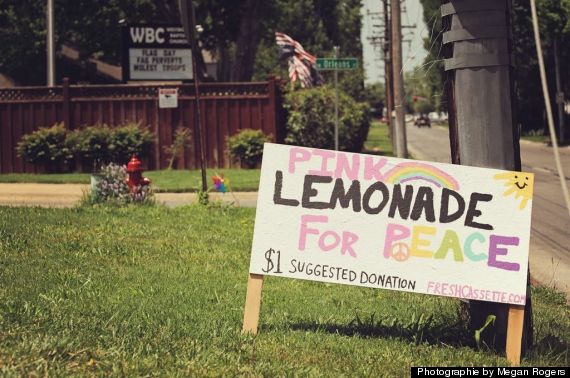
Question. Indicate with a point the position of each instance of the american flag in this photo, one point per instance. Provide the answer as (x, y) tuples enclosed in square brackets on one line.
[(302, 65)]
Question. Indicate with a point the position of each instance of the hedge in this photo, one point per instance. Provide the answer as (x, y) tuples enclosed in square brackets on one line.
[(311, 119), (92, 146)]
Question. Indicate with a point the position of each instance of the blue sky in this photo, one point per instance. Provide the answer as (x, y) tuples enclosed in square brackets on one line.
[(413, 52)]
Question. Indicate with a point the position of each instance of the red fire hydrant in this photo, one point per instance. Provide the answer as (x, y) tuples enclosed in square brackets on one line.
[(136, 181)]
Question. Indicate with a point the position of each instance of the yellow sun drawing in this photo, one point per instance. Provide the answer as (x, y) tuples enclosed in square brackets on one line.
[(519, 183)]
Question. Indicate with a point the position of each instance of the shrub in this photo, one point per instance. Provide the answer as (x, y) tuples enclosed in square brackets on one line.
[(128, 140), (182, 137), (311, 119), (247, 147), (94, 145), (423, 107), (97, 145), (47, 147), (111, 188), (91, 145)]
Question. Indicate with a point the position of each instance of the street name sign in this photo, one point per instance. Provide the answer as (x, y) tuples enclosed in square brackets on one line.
[(330, 64)]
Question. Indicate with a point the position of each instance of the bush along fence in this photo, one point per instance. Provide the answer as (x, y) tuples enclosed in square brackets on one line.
[(311, 119), (226, 109), (57, 149)]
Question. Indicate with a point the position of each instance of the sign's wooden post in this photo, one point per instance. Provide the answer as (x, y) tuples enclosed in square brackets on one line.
[(252, 304), (514, 334)]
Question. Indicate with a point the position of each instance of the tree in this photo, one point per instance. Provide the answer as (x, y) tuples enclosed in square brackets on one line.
[(91, 26), (420, 92), (220, 21), (375, 96), (23, 34), (554, 19), (239, 33), (431, 70), (325, 24), (247, 42)]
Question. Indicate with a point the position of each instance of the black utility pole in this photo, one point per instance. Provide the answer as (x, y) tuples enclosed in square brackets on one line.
[(483, 128), (189, 23)]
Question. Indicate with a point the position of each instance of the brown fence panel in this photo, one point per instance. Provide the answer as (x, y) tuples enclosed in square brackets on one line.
[(226, 109)]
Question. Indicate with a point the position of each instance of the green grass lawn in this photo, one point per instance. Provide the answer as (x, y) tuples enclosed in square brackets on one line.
[(157, 291), (536, 138), (164, 180), (378, 141), (241, 180)]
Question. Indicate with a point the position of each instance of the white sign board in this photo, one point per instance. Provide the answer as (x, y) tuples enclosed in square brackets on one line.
[(163, 63), (167, 98), (392, 223)]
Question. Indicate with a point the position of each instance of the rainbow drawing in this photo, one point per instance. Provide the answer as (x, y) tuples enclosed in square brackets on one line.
[(412, 171)]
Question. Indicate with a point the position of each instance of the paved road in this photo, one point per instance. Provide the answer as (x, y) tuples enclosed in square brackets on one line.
[(550, 235)]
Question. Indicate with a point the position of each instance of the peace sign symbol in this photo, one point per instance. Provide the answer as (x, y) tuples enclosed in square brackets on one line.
[(400, 251)]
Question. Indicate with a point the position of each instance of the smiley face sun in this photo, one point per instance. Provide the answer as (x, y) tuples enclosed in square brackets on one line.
[(519, 183)]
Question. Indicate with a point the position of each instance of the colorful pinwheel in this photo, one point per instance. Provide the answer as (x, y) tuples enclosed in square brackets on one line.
[(221, 183)]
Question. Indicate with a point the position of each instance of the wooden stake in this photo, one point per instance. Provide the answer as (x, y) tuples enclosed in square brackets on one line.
[(514, 334), (252, 304)]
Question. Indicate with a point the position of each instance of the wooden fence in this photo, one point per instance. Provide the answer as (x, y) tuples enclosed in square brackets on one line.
[(226, 108)]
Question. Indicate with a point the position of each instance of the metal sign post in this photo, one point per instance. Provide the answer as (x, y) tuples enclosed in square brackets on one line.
[(189, 24), (50, 45), (336, 64), (336, 48)]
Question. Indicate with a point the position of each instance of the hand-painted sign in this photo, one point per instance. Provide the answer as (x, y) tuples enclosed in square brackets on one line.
[(391, 223), (155, 52)]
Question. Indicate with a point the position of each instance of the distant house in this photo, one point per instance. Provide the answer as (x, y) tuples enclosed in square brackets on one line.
[(92, 71), (7, 81)]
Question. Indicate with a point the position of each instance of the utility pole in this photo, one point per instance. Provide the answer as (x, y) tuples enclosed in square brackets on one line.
[(398, 80), (478, 71), (388, 72), (559, 93), (50, 45)]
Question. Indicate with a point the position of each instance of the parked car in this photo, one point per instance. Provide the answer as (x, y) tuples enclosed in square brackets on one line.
[(422, 120)]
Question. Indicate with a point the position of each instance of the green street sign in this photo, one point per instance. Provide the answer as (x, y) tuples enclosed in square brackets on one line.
[(324, 64)]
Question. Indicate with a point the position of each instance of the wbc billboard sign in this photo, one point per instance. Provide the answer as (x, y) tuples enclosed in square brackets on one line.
[(155, 52)]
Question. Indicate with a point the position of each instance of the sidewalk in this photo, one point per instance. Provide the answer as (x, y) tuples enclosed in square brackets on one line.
[(68, 195)]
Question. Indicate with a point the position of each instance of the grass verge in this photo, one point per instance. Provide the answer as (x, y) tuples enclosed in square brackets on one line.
[(242, 180), (156, 291), (536, 138), (378, 141)]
